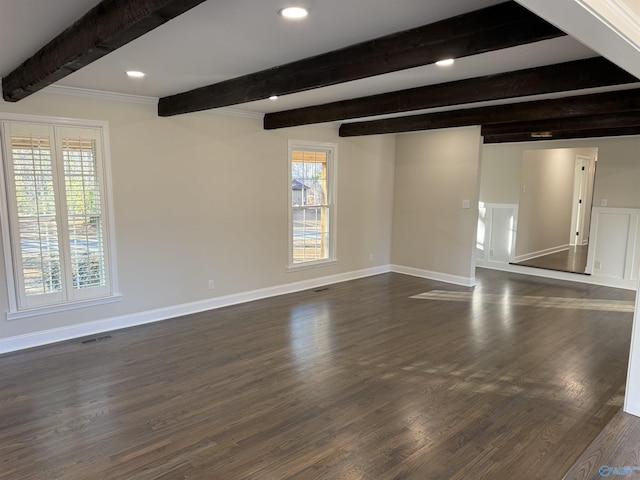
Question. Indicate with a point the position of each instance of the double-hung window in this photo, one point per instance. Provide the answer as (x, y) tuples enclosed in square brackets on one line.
[(58, 240), (312, 207)]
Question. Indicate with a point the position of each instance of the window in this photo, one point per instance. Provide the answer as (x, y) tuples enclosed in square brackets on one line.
[(58, 235), (312, 170)]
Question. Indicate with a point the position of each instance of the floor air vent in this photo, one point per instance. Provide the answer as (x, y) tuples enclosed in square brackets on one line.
[(96, 339)]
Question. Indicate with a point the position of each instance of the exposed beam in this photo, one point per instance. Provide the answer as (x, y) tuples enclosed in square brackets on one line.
[(556, 125), (565, 135), (575, 106), (106, 27), (576, 75), (493, 28)]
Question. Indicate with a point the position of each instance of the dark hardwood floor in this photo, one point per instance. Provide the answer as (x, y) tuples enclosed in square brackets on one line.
[(615, 452), (357, 381), (573, 260)]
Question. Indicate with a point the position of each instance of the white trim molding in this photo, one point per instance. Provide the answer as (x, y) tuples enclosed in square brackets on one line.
[(619, 15), (141, 99), (558, 275), (440, 277), (541, 253), (632, 396), (100, 95), (609, 35)]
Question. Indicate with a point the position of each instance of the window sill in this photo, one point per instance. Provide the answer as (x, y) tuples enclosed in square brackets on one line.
[(33, 312), (310, 265)]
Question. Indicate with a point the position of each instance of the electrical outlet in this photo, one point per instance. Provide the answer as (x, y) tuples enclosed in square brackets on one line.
[(211, 285), (465, 203), (371, 257), (597, 265)]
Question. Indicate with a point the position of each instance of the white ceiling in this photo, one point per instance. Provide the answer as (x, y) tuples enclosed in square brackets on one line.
[(222, 39)]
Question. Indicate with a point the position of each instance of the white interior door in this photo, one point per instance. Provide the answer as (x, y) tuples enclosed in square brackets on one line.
[(577, 234)]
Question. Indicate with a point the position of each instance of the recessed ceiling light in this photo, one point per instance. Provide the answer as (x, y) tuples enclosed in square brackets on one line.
[(273, 98), (293, 12), (135, 74), (445, 63)]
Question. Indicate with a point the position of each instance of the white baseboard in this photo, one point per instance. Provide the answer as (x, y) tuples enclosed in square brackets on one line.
[(45, 337), (631, 408), (541, 253), (441, 277)]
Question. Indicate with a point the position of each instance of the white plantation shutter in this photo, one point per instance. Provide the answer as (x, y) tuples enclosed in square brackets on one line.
[(57, 210), (84, 208)]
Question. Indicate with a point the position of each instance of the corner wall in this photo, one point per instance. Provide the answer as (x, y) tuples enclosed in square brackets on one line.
[(433, 236)]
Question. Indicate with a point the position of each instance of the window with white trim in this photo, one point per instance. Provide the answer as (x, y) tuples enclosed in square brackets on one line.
[(312, 209), (58, 240)]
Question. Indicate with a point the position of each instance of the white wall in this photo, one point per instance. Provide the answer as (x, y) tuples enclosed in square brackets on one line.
[(617, 171), (435, 171), (204, 196), (500, 170)]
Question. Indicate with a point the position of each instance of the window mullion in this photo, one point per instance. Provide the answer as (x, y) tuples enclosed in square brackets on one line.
[(62, 216)]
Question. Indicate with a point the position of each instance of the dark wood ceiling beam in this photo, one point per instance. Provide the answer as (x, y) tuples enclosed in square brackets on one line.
[(576, 75), (555, 125), (564, 135), (566, 107), (493, 28), (106, 27)]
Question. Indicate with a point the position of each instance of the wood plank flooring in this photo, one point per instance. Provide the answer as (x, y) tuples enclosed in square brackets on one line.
[(357, 381), (572, 260), (615, 452)]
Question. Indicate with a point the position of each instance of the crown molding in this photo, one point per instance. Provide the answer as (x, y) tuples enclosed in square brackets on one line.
[(627, 13), (100, 94), (139, 99), (618, 16)]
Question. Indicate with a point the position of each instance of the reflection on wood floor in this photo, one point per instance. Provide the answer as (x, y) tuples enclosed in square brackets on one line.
[(354, 381), (573, 260)]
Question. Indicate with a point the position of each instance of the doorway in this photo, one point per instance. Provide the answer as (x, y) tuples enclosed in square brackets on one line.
[(554, 214)]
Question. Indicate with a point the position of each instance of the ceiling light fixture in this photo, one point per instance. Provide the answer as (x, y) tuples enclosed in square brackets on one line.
[(293, 13), (273, 98), (541, 135), (445, 63), (135, 74)]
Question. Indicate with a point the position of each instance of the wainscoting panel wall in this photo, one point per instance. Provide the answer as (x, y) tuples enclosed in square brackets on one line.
[(496, 232), (614, 243)]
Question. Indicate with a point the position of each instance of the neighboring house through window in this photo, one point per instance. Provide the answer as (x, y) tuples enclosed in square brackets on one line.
[(312, 172), (59, 249)]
